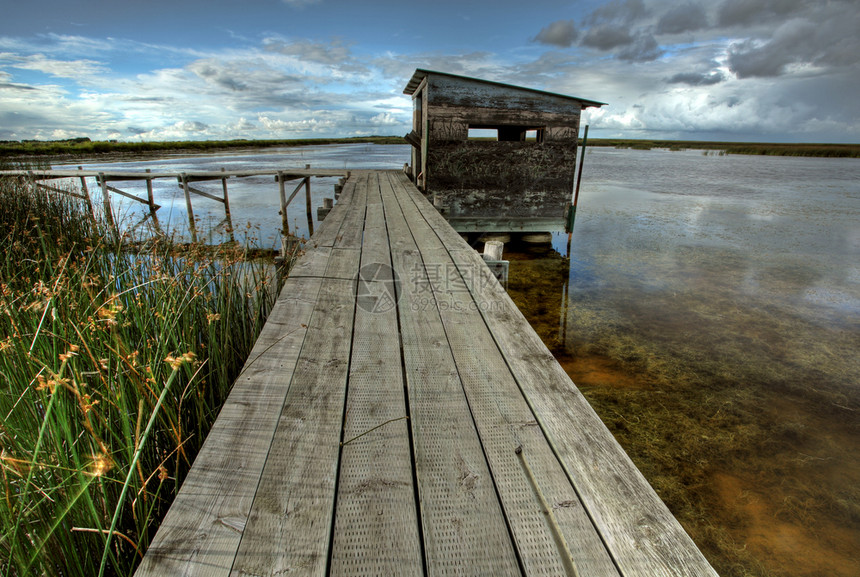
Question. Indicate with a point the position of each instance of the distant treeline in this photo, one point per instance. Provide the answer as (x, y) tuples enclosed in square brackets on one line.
[(757, 148), (87, 147)]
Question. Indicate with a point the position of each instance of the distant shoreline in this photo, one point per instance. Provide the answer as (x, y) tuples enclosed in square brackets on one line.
[(83, 149), (753, 148)]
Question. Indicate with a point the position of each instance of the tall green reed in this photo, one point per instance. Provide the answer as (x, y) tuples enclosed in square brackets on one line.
[(113, 366)]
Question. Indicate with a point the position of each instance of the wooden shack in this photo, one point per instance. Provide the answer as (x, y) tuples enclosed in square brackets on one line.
[(516, 171)]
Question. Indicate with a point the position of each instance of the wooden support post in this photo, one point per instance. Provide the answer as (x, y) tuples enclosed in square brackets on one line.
[(322, 211), (31, 176), (493, 257), (108, 210), (285, 224), (307, 182), (152, 206), (188, 207), (86, 193), (493, 250), (150, 195), (227, 215)]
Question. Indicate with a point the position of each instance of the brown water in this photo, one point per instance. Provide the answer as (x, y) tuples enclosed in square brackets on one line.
[(710, 311)]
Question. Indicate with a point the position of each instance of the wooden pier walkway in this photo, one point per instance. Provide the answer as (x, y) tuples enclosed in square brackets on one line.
[(399, 416)]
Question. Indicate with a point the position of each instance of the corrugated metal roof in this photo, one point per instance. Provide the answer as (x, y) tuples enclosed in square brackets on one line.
[(420, 74)]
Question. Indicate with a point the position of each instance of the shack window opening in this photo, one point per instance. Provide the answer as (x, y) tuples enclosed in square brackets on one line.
[(483, 133), (507, 133)]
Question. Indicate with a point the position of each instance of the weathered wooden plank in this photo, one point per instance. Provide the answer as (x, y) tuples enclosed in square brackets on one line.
[(328, 230), (549, 542), (376, 521), (290, 522), (463, 526), (640, 532), (352, 231), (201, 532)]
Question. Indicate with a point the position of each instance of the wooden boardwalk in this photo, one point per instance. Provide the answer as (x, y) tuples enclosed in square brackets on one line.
[(399, 416)]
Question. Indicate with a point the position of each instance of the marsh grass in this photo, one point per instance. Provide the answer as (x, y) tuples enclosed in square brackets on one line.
[(113, 366)]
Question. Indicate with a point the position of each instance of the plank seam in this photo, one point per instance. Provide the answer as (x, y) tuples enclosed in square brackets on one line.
[(540, 422), (414, 468), (330, 553), (502, 509)]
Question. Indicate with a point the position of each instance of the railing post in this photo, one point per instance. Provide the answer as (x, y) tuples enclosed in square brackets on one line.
[(31, 176), (227, 214), (308, 203), (108, 210), (89, 199), (149, 193), (285, 224), (189, 208), (152, 206)]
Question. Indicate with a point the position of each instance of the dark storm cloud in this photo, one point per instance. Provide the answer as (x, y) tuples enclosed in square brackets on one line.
[(754, 12), (334, 53), (697, 78), (617, 27), (627, 12), (218, 75), (747, 59), (826, 39), (17, 87), (644, 48), (607, 37), (683, 18), (562, 33), (631, 47)]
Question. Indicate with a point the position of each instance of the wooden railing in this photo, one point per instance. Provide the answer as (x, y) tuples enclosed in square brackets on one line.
[(184, 179)]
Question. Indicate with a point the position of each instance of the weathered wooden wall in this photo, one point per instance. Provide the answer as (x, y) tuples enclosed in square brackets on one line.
[(489, 179)]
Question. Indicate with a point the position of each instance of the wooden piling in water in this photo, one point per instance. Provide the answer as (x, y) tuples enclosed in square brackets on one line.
[(327, 206)]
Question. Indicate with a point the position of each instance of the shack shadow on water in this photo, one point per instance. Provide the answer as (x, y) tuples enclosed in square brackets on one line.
[(739, 415)]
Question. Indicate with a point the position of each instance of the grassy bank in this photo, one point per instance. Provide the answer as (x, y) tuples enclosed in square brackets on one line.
[(113, 367), (754, 148), (84, 147)]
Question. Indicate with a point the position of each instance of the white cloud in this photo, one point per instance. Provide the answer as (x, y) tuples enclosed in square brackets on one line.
[(384, 119), (75, 69)]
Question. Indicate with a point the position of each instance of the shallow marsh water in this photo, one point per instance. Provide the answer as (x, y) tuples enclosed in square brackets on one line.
[(709, 310), (713, 319)]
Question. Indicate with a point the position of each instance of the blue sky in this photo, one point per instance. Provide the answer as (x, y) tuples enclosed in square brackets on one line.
[(766, 70)]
